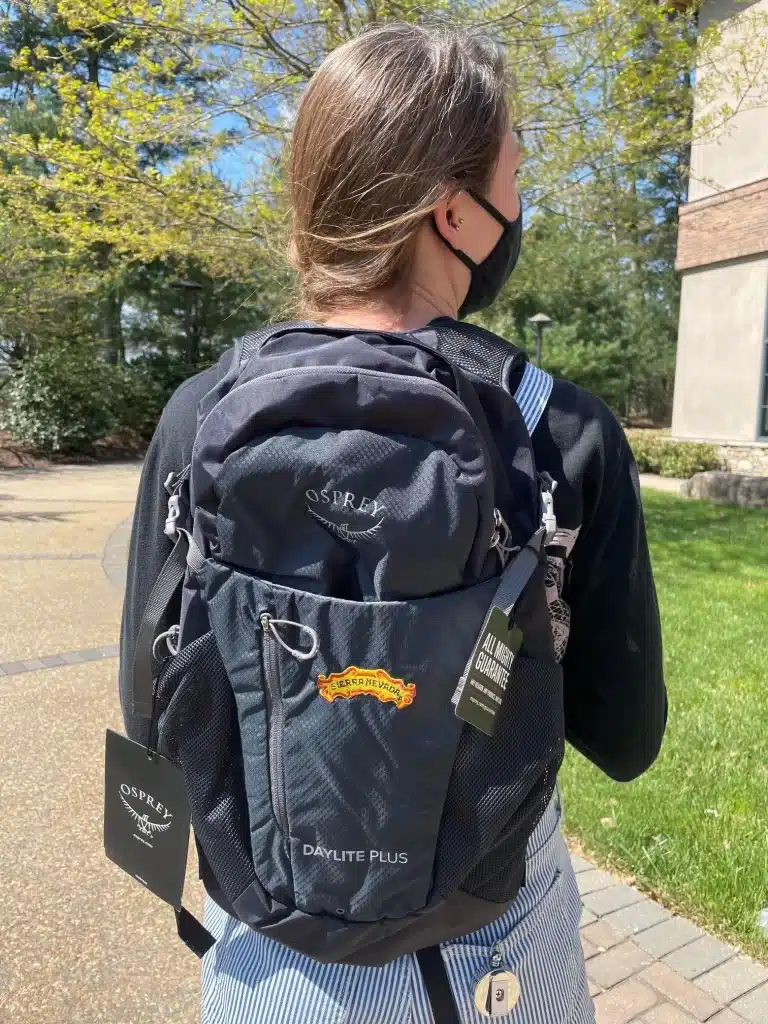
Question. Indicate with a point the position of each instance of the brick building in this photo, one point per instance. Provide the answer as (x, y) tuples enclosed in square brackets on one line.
[(721, 382)]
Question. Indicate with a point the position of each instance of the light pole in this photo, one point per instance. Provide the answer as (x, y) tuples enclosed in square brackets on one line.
[(540, 321)]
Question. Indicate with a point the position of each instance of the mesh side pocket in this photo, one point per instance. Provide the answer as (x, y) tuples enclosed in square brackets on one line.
[(198, 730), (501, 785), (501, 872)]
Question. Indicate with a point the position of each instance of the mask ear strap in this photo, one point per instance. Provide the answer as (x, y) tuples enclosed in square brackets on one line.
[(490, 208), (466, 260)]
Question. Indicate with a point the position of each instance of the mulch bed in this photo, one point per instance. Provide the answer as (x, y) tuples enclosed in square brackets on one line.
[(123, 446)]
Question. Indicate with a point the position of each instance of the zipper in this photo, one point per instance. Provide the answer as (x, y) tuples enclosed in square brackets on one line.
[(275, 724)]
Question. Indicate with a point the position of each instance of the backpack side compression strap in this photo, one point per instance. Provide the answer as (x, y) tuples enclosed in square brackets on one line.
[(166, 586)]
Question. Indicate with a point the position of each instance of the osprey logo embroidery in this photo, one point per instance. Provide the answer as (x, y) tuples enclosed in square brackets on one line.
[(353, 526), (376, 682), (143, 822)]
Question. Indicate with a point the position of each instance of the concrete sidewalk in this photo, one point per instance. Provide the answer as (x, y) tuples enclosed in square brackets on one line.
[(661, 483), (83, 943)]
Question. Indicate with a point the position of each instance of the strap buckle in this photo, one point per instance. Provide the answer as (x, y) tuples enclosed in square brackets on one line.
[(548, 517), (174, 511)]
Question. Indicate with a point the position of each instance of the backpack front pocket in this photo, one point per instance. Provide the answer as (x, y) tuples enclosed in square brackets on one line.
[(347, 749)]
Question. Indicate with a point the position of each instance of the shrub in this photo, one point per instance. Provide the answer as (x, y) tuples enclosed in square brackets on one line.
[(655, 453), (684, 458), (62, 399)]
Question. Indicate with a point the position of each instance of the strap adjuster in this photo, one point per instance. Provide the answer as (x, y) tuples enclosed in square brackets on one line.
[(174, 511)]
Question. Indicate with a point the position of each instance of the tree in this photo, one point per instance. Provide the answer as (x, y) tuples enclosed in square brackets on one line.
[(614, 301), (44, 298), (143, 141), (157, 98), (193, 326)]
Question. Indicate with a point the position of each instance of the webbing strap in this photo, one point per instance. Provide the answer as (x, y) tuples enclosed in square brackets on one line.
[(166, 585), (515, 577), (438, 986), (192, 933), (533, 394), (513, 582)]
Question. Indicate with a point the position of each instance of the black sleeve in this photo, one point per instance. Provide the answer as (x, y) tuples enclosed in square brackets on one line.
[(615, 699)]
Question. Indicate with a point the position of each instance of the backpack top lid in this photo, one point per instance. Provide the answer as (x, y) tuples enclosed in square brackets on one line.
[(357, 465)]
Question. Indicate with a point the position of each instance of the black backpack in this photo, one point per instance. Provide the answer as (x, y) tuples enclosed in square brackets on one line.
[(360, 567)]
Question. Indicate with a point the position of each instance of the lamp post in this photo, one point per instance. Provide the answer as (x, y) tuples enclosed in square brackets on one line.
[(190, 290), (540, 321)]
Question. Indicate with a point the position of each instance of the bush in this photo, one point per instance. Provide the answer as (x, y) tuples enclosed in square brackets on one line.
[(62, 399), (684, 458), (65, 399), (655, 453)]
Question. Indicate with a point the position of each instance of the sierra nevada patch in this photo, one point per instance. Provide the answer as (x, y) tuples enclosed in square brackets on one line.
[(376, 682)]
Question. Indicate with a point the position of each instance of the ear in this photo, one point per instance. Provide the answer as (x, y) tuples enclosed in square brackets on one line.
[(449, 218)]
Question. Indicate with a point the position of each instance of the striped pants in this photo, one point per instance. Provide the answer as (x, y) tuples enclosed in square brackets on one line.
[(249, 979)]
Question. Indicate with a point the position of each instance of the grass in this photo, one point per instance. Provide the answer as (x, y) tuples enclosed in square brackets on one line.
[(693, 831)]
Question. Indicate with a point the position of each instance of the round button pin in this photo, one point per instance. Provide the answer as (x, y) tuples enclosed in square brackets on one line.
[(497, 993)]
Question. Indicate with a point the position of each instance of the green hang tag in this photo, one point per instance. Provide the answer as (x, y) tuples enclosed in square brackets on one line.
[(490, 667)]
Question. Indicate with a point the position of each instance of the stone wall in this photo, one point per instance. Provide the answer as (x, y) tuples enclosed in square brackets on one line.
[(748, 459), (727, 489)]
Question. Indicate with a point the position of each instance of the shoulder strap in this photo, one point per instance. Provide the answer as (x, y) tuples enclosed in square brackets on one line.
[(489, 357), (253, 341), (475, 350)]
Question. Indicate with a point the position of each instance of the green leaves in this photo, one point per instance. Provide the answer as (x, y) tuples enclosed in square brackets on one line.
[(61, 399)]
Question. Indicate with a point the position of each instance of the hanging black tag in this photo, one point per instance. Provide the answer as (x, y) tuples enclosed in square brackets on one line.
[(482, 691), (146, 817)]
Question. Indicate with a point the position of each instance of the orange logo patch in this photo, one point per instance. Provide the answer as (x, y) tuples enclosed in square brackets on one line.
[(354, 682)]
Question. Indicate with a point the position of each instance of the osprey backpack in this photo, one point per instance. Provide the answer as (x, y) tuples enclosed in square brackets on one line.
[(362, 693)]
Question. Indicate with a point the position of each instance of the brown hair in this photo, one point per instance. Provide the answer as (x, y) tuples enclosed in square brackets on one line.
[(390, 123)]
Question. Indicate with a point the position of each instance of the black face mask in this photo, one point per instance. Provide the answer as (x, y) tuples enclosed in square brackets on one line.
[(490, 276)]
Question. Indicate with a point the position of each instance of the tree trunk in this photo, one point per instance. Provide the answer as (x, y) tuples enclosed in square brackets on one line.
[(113, 326)]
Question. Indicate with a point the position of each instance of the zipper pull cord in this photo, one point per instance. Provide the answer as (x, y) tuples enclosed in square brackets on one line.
[(500, 539), (269, 625)]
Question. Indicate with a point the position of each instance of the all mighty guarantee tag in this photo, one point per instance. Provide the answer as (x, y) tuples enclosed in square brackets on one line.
[(481, 694), (146, 817)]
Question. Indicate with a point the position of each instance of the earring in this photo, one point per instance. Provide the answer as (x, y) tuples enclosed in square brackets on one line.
[(460, 221)]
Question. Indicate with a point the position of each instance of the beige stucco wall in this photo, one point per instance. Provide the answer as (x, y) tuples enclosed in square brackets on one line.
[(720, 351), (737, 153)]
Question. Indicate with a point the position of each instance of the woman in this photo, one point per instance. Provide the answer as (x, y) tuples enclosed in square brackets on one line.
[(406, 212)]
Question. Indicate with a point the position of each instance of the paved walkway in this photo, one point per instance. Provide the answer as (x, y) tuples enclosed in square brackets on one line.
[(82, 943), (660, 483), (649, 967)]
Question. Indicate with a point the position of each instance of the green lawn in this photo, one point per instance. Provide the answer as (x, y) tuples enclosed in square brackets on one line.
[(694, 830)]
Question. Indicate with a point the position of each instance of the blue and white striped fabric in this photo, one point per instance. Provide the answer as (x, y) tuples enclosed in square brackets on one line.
[(249, 979), (533, 394)]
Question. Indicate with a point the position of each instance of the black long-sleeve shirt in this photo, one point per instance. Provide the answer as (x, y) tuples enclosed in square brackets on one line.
[(600, 584)]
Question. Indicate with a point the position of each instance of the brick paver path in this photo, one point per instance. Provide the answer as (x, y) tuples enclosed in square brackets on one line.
[(648, 967)]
